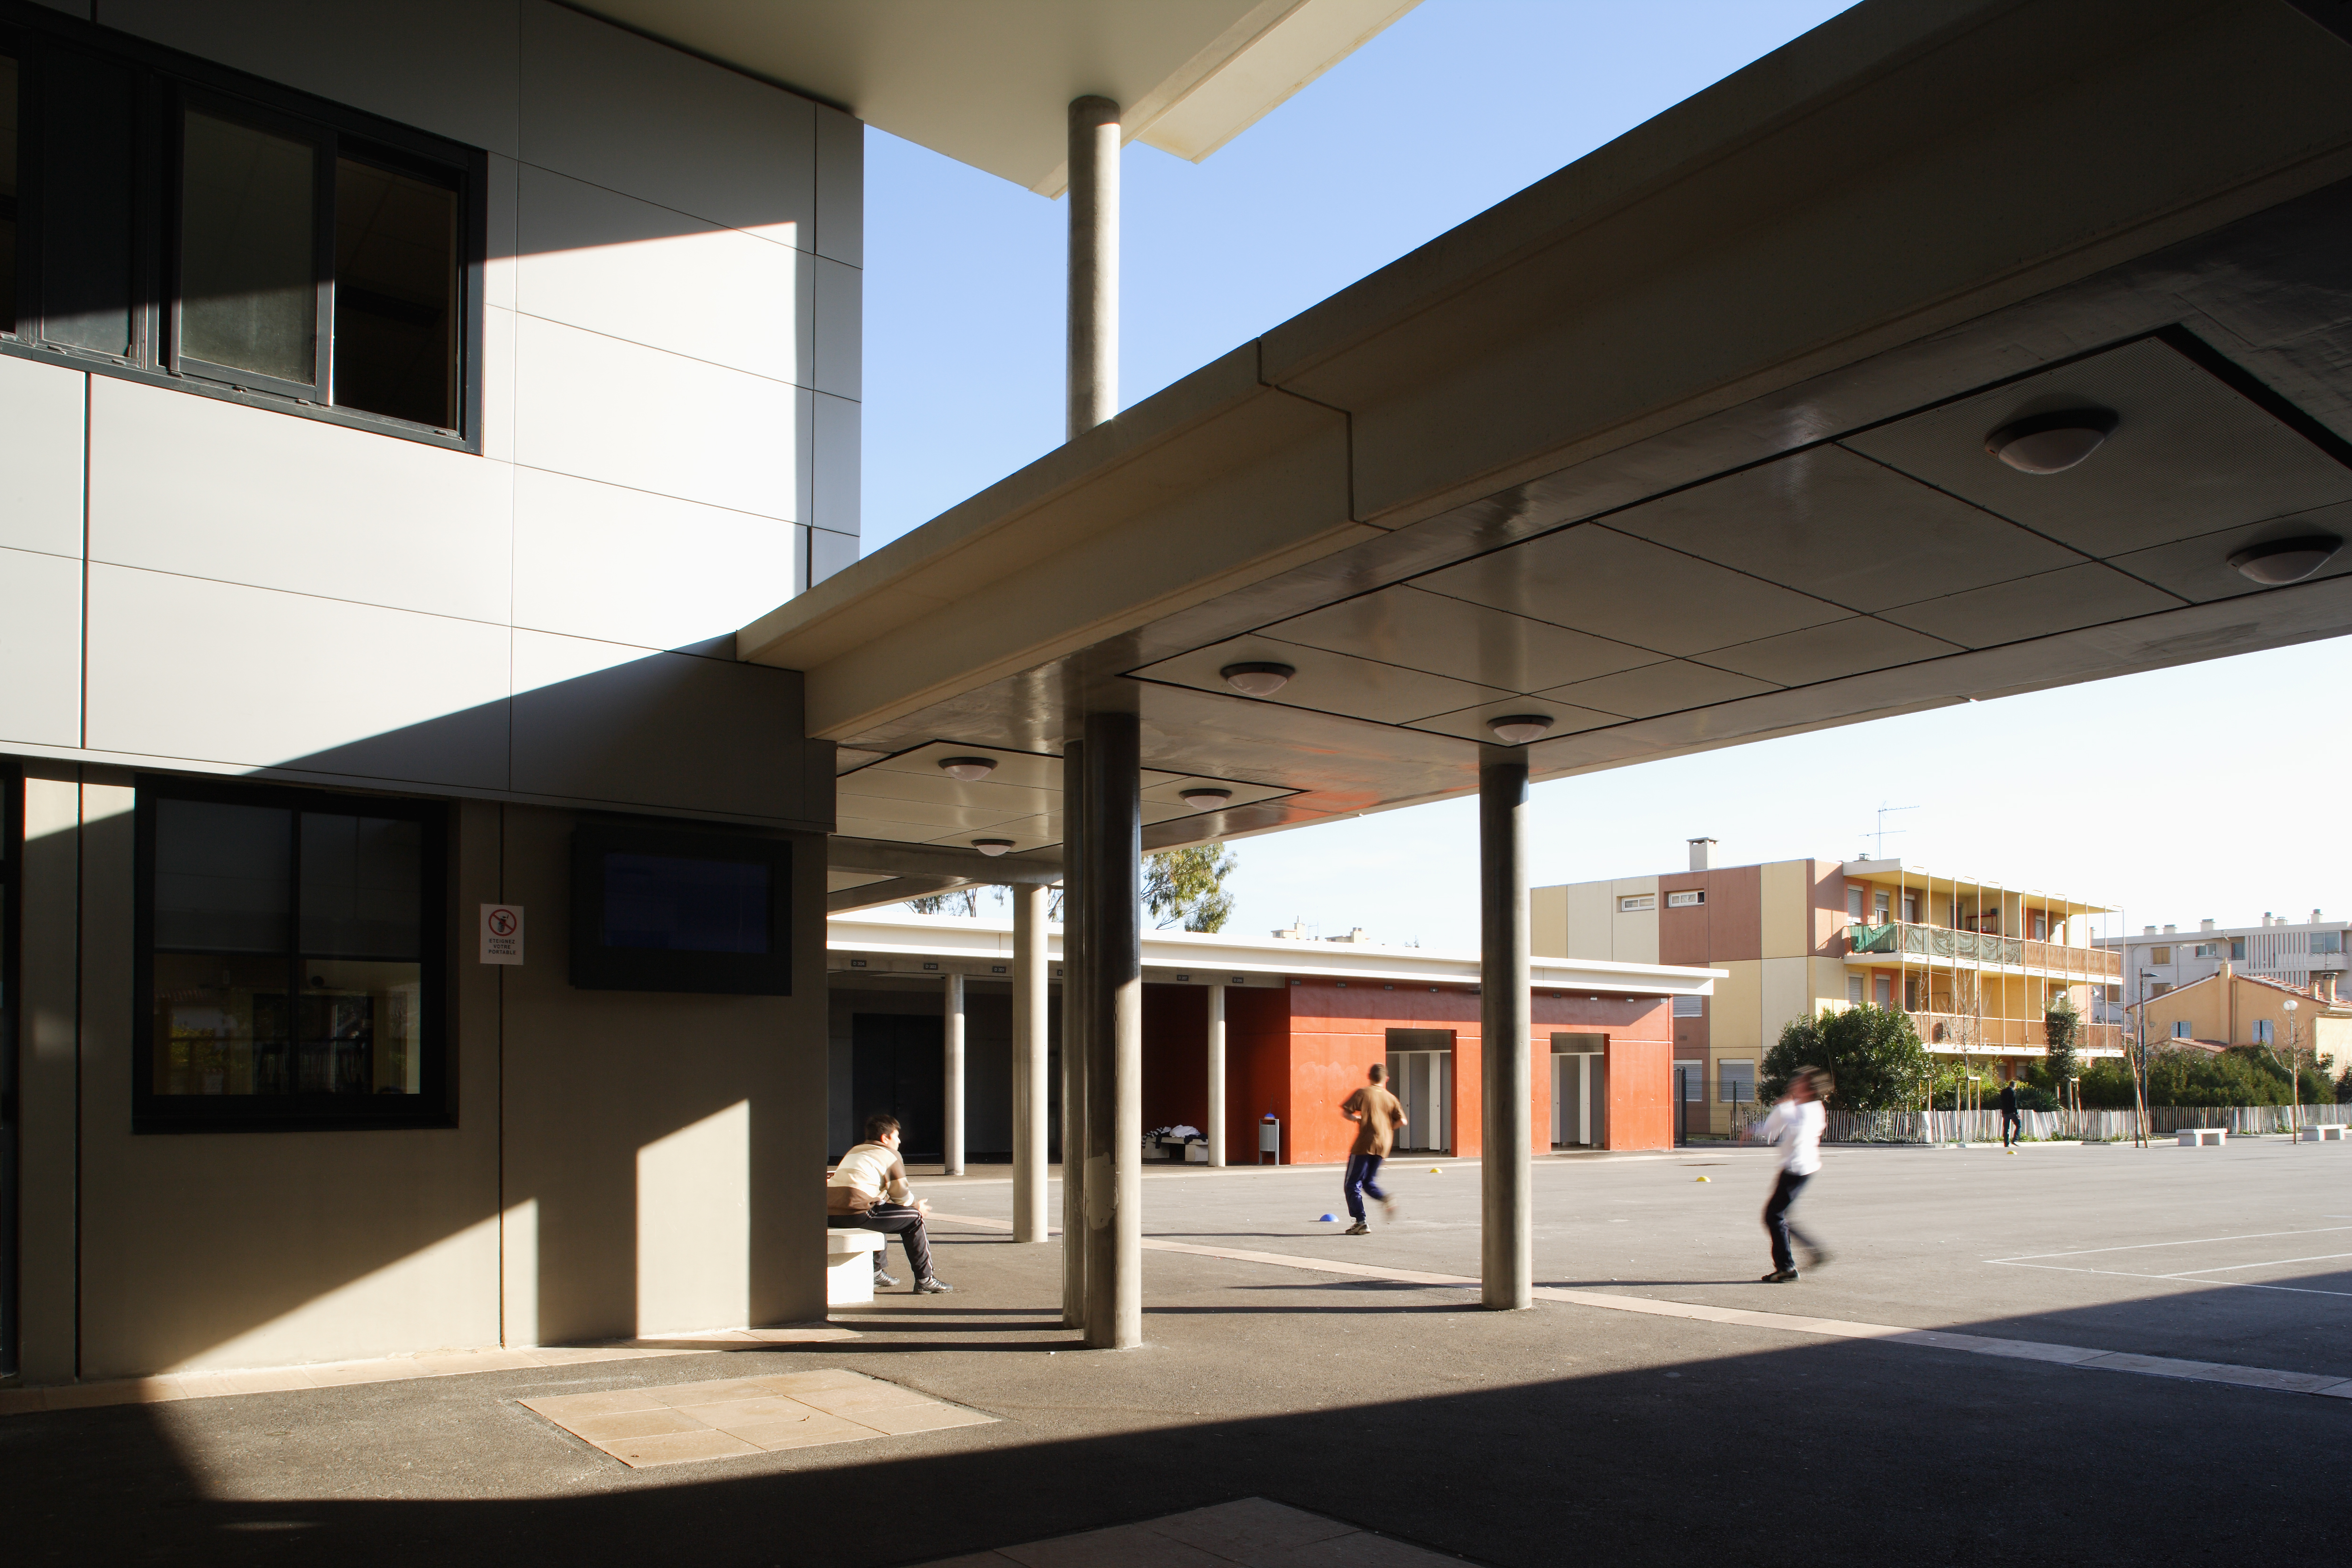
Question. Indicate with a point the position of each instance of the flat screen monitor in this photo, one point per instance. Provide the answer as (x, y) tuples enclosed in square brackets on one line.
[(659, 909)]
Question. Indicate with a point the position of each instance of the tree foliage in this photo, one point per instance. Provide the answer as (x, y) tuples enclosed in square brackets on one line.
[(2242, 1075), (962, 902), (1187, 887), (2063, 1030), (1873, 1052)]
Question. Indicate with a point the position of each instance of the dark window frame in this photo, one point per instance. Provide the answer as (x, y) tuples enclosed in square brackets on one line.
[(11, 927), (435, 1107), (163, 81)]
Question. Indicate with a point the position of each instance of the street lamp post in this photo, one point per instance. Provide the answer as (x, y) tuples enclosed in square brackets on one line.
[(2293, 1074)]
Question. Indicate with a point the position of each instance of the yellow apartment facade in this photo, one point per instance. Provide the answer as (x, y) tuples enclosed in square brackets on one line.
[(1977, 963), (2232, 1008)]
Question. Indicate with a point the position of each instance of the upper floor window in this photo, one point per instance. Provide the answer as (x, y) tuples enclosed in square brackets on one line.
[(1634, 903), (1854, 902), (2164, 954), (164, 219), (1688, 898), (2262, 1034), (2181, 1029), (292, 961), (2327, 942), (2238, 948)]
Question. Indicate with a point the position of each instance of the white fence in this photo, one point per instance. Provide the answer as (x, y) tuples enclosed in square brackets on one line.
[(1984, 1126)]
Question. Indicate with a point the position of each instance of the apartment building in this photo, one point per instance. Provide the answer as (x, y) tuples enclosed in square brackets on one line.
[(2305, 955), (2231, 1007), (1977, 963)]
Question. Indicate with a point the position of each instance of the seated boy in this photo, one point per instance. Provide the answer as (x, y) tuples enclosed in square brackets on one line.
[(868, 1191)]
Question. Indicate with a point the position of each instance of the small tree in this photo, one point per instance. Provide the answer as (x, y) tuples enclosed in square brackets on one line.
[(2063, 1033), (1873, 1052), (962, 902), (1187, 887)]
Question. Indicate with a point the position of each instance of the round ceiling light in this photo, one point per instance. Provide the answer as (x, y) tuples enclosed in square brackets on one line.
[(1257, 679), (2281, 561), (1206, 799), (967, 770), (2050, 443), (1519, 728), (992, 847)]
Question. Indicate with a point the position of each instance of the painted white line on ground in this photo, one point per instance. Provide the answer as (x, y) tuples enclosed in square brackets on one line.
[(2268, 1263), (2325, 1383), (2194, 1241), (2224, 1284)]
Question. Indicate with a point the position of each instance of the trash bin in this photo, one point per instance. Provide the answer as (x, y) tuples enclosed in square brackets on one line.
[(1269, 1141)]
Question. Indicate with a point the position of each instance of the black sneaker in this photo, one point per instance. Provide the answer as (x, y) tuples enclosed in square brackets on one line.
[(1780, 1276), (1358, 1229), (932, 1287), (882, 1280)]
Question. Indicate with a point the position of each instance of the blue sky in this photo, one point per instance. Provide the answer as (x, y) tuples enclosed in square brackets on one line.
[(2134, 792)]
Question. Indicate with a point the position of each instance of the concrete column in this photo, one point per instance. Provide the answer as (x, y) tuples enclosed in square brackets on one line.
[(1216, 1127), (951, 1062), (1114, 997), (1094, 264), (1029, 1058), (1506, 1169), (1074, 1036)]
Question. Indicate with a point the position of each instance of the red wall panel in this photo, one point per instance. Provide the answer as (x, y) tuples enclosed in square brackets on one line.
[(1641, 1093)]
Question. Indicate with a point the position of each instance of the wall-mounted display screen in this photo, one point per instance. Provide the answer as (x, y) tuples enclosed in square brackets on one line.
[(665, 908)]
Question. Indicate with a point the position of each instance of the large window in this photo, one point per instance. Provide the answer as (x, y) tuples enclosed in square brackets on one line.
[(294, 959), (166, 220)]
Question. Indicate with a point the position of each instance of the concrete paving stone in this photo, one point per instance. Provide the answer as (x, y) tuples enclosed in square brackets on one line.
[(1252, 1522), (900, 1420), (818, 1430), (717, 1391), (1360, 1550), (854, 1401), (1122, 1546), (560, 1408), (603, 1429), (675, 1448), (728, 1414)]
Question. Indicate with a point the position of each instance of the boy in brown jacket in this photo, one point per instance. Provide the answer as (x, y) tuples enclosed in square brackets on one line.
[(1379, 1119)]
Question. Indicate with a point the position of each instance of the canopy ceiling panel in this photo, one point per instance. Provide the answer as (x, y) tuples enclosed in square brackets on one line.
[(1689, 444)]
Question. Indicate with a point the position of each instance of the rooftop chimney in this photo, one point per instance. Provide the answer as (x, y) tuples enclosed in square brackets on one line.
[(2204, 925), (1702, 854), (2148, 931), (2315, 917), (2170, 929)]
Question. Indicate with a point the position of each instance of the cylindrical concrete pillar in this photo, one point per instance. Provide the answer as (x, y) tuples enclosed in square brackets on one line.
[(1114, 987), (1216, 1127), (1094, 264), (952, 1064), (1074, 1036), (1507, 1170), (1029, 1057)]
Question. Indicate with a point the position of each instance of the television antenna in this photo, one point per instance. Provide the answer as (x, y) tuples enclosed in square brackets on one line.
[(1882, 833)]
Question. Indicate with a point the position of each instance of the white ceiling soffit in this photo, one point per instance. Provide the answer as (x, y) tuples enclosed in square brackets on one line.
[(988, 84)]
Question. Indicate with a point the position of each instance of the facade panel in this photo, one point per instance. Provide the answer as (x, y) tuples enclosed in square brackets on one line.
[(40, 648), (215, 672), (41, 452), (214, 489), (621, 111), (625, 269), (1786, 910)]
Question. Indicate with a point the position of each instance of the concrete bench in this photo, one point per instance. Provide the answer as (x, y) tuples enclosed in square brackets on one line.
[(2191, 1136), (2322, 1132), (850, 1259)]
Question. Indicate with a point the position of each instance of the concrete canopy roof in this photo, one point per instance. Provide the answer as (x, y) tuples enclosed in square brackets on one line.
[(989, 84), (1684, 446)]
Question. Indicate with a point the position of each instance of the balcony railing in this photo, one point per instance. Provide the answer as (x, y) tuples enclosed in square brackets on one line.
[(1935, 943), (1952, 1031)]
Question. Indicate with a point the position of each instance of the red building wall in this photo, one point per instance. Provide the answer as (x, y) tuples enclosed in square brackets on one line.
[(1299, 1051)]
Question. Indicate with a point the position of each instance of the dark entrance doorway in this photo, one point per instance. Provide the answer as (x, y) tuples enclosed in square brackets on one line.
[(897, 1064)]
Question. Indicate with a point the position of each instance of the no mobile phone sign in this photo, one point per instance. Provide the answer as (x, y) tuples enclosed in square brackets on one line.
[(501, 933)]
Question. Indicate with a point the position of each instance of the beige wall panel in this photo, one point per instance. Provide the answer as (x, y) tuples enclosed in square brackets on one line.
[(270, 1247), (40, 648), (1787, 909), (1548, 922), (665, 1153), (1633, 937), (1589, 919), (46, 1082), (1783, 995), (1735, 1021), (41, 444), (1825, 985)]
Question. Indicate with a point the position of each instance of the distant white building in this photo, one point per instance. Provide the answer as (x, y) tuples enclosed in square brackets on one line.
[(2308, 954)]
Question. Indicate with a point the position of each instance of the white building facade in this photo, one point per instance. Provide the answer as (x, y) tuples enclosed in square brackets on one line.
[(2302, 954)]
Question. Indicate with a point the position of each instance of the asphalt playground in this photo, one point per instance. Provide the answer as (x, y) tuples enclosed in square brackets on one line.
[(1658, 1405)]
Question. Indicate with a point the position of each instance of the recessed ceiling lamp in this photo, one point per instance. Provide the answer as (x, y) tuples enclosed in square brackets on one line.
[(992, 847), (2279, 561), (967, 770), (1519, 728), (1206, 799), (2050, 443), (1257, 679)]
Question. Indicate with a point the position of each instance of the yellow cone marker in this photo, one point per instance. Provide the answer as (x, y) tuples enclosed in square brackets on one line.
[(1706, 1178)]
